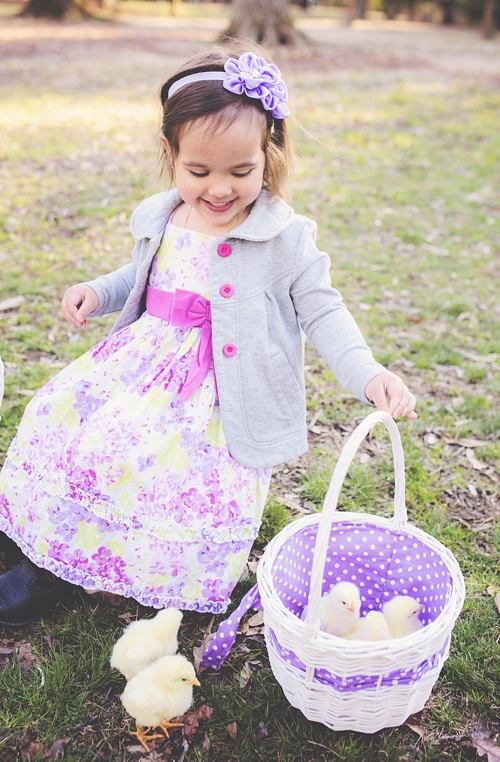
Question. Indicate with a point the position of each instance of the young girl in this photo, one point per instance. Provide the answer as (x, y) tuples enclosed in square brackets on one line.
[(143, 467)]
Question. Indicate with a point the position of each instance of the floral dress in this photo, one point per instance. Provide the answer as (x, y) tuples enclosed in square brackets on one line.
[(113, 483)]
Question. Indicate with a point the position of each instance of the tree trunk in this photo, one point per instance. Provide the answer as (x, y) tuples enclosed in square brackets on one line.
[(265, 21), (55, 9), (488, 24), (448, 8), (359, 9)]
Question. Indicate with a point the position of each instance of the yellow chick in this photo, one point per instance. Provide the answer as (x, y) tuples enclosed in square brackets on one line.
[(161, 691), (372, 627), (145, 641), (401, 614), (339, 610)]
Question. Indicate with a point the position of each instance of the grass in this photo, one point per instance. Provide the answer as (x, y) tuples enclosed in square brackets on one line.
[(403, 185)]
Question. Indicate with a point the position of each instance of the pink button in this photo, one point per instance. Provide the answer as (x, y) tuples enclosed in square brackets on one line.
[(223, 250), (226, 290), (229, 350)]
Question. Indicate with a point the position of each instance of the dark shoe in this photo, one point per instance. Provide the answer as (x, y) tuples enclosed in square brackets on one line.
[(27, 592), (10, 553)]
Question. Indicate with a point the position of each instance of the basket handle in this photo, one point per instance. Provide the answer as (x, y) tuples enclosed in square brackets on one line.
[(330, 506)]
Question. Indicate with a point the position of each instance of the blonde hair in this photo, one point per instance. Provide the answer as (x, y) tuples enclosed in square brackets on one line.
[(210, 101)]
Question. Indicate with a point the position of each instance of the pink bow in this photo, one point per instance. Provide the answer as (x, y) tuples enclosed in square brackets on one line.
[(186, 308)]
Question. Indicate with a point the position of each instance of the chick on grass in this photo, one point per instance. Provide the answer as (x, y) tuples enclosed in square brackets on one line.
[(339, 610), (371, 627), (145, 641), (401, 614), (158, 693)]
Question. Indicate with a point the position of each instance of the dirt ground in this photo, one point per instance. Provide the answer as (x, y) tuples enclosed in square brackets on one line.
[(397, 49)]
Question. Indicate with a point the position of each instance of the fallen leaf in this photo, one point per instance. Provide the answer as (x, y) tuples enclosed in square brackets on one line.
[(232, 729), (205, 746), (198, 651), (32, 750), (261, 732), (463, 442), (12, 303), (257, 619), (126, 618), (364, 458), (245, 675), (52, 642), (416, 729), (192, 719), (26, 658), (254, 631), (57, 748), (430, 438), (6, 651), (478, 465), (485, 746)]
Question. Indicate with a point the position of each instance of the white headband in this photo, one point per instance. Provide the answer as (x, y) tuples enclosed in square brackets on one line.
[(200, 76)]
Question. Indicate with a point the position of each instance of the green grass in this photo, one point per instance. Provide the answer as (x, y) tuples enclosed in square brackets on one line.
[(404, 187)]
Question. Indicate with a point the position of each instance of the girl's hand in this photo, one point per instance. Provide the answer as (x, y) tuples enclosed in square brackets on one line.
[(389, 393), (78, 302)]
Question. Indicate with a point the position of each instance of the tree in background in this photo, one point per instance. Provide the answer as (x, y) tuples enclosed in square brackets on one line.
[(266, 21), (489, 19), (55, 9)]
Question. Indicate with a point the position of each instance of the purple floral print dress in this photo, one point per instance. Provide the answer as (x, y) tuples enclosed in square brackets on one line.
[(113, 483)]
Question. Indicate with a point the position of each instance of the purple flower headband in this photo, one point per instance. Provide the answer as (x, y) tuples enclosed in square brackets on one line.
[(248, 74)]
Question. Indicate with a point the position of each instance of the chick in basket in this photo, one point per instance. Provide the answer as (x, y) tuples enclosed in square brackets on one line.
[(372, 627), (339, 610), (161, 691), (401, 614), (145, 641)]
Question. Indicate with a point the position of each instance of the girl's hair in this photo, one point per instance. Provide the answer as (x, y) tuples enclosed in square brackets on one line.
[(210, 101)]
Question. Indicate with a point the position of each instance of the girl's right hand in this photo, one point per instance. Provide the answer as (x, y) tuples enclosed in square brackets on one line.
[(78, 302)]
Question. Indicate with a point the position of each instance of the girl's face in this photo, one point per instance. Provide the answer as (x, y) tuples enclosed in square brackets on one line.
[(220, 174)]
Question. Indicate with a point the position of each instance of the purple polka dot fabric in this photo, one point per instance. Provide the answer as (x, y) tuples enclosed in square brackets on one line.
[(382, 562), (225, 636)]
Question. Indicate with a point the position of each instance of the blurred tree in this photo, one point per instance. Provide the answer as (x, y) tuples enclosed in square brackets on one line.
[(489, 19), (55, 9), (265, 21), (359, 9), (448, 8)]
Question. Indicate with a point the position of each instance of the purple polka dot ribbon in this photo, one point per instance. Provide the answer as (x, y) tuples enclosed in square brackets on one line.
[(219, 648)]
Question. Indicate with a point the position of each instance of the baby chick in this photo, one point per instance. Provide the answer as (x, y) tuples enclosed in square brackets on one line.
[(339, 609), (145, 641), (372, 627), (401, 614), (161, 691)]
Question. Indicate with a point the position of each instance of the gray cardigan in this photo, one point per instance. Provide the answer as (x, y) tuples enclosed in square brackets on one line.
[(281, 287)]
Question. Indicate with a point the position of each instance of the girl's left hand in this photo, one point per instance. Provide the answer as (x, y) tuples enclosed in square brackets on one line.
[(389, 393)]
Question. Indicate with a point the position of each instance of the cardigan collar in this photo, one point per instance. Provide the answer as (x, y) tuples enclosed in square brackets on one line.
[(268, 218)]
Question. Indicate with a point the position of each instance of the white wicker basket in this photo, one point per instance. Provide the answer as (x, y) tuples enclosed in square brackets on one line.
[(345, 684)]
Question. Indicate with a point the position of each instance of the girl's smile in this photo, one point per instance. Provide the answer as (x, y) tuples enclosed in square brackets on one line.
[(219, 172)]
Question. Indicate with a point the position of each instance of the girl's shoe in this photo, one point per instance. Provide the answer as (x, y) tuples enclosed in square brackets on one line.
[(27, 592), (10, 553)]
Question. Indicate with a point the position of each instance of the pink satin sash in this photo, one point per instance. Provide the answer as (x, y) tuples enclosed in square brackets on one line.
[(186, 308)]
